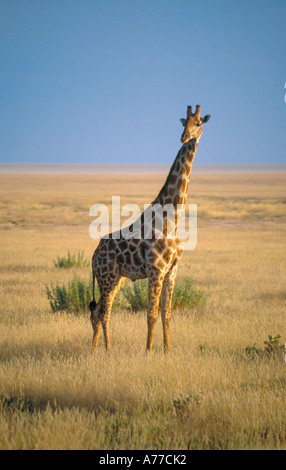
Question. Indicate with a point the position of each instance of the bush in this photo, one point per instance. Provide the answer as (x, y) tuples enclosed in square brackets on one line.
[(186, 295), (273, 345), (272, 348), (75, 297), (136, 295), (72, 261)]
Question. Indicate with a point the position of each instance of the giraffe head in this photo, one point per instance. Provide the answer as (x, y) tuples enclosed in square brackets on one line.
[(193, 124)]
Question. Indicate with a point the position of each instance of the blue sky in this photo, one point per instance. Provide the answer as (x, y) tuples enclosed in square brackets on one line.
[(106, 81)]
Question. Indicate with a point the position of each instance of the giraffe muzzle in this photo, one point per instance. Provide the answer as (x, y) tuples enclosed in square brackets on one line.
[(185, 137)]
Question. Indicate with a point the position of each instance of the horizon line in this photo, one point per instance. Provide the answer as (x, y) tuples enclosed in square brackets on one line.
[(134, 168)]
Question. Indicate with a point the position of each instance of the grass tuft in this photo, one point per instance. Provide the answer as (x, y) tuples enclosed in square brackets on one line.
[(72, 261)]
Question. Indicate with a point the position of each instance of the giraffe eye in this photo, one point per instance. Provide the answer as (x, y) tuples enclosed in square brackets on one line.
[(198, 124)]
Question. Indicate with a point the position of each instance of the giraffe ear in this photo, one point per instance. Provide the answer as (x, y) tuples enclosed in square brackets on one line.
[(183, 122), (206, 118)]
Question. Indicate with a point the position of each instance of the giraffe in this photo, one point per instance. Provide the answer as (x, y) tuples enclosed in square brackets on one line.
[(155, 258)]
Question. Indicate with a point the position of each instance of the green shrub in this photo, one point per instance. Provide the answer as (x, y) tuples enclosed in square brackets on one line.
[(16, 403), (272, 348), (74, 297), (136, 295), (273, 345), (72, 261), (183, 403), (186, 295)]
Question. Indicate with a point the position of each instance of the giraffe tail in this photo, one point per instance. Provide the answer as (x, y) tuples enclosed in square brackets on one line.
[(92, 304)]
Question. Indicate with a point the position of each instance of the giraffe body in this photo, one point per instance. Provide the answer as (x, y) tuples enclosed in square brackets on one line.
[(155, 256)]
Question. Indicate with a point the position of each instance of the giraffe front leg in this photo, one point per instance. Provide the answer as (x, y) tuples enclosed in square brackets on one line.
[(167, 292), (105, 317), (155, 287)]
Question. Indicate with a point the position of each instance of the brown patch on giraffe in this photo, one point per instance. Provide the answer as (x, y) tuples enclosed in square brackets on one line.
[(176, 200), (111, 244), (191, 145), (152, 257), (113, 276), (143, 247), (127, 258), (173, 179), (168, 200), (122, 245), (167, 255), (171, 243), (184, 185), (120, 258), (160, 245), (160, 264), (111, 255), (136, 259), (132, 247)]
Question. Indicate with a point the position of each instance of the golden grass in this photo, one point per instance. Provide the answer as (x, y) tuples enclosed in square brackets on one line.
[(54, 394)]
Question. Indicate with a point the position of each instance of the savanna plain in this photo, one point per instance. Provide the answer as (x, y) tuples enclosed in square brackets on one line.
[(222, 385)]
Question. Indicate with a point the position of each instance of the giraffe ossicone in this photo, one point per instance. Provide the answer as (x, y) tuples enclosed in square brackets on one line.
[(153, 257)]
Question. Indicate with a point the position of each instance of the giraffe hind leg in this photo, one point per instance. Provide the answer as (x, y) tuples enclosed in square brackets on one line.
[(95, 321), (106, 310), (100, 314)]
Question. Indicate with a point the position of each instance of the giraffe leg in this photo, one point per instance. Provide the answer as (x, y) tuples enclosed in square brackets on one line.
[(154, 287), (106, 309), (105, 317), (95, 321), (96, 332), (167, 292), (101, 315)]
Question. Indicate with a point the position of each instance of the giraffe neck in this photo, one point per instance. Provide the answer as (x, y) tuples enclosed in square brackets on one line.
[(175, 189)]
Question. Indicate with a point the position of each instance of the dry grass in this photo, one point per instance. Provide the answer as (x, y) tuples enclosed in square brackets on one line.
[(208, 393)]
